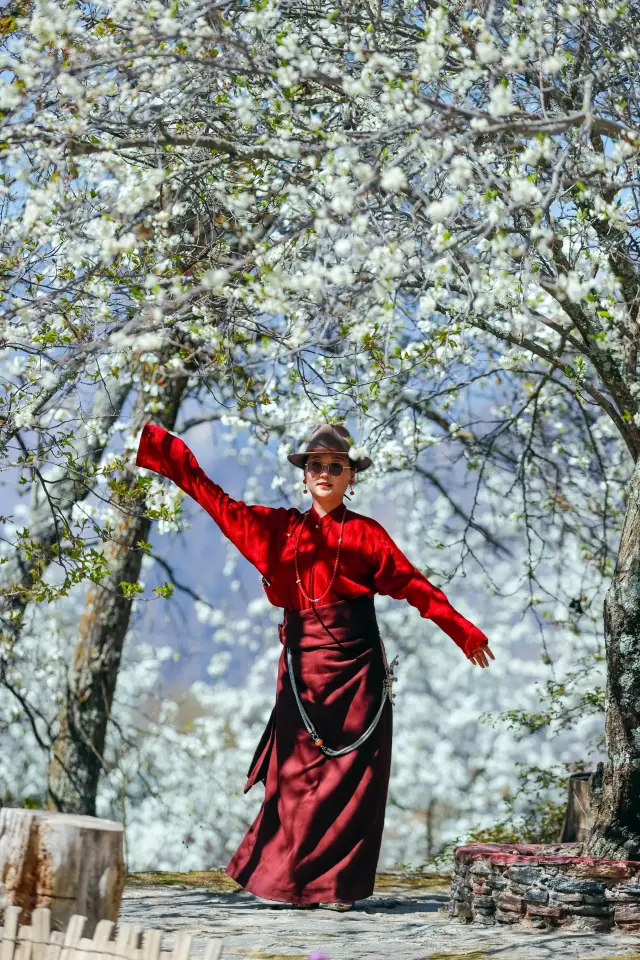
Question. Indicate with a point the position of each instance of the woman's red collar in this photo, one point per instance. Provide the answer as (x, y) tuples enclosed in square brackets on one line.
[(335, 514)]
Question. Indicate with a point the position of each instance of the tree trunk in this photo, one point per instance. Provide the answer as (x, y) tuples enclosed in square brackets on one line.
[(77, 758), (68, 864), (615, 785)]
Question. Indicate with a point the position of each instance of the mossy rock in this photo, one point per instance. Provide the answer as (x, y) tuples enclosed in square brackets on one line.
[(411, 881)]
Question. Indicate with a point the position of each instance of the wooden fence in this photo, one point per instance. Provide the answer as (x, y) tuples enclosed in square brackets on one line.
[(39, 942)]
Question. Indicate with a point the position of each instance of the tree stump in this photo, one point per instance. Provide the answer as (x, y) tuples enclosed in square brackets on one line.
[(578, 815), (70, 863)]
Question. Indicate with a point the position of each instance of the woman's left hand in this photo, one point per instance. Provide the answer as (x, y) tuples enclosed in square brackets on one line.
[(479, 655)]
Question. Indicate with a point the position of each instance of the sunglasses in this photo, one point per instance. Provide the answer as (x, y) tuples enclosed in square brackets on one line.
[(334, 469)]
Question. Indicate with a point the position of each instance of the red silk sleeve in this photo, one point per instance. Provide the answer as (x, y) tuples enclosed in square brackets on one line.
[(395, 576), (248, 527)]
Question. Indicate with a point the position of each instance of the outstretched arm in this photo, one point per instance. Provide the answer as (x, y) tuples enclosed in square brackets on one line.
[(248, 527), (396, 576)]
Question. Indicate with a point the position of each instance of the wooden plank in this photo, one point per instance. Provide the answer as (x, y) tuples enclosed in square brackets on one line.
[(134, 949), (74, 930), (103, 946), (213, 950), (103, 931), (86, 949), (54, 949), (182, 946), (122, 939), (72, 936), (41, 931), (24, 945), (105, 951), (127, 940), (10, 934), (151, 943)]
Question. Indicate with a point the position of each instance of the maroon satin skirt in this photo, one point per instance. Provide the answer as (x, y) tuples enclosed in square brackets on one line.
[(318, 833)]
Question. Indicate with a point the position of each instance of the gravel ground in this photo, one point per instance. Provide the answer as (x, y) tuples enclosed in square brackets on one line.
[(405, 922)]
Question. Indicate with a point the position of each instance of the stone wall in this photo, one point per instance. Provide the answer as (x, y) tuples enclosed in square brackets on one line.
[(544, 886)]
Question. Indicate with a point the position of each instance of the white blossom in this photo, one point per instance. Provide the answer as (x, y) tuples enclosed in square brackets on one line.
[(500, 102), (393, 179), (439, 210), (356, 453), (524, 191)]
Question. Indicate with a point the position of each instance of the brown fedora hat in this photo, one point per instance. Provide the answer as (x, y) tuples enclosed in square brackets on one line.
[(330, 438)]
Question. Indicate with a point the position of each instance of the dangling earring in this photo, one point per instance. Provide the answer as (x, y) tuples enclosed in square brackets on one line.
[(305, 487), (352, 491)]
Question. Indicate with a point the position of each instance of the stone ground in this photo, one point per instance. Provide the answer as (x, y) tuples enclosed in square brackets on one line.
[(401, 921)]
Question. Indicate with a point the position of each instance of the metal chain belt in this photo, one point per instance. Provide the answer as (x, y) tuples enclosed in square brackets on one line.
[(386, 692)]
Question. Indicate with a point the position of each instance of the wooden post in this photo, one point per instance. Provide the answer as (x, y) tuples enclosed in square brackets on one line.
[(578, 814), (70, 863)]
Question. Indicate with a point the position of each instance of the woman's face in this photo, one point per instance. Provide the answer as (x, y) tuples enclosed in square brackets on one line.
[(325, 488)]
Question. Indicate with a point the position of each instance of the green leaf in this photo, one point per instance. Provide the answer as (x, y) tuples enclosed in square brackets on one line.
[(131, 589), (164, 590)]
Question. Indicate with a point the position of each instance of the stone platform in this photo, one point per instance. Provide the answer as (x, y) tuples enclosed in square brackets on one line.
[(544, 886)]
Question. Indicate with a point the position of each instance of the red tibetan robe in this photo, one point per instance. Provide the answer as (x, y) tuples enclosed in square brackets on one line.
[(317, 835)]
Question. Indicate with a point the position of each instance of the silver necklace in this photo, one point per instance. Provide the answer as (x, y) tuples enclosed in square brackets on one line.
[(387, 691)]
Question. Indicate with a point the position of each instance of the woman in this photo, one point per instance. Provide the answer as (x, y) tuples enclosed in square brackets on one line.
[(317, 836)]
